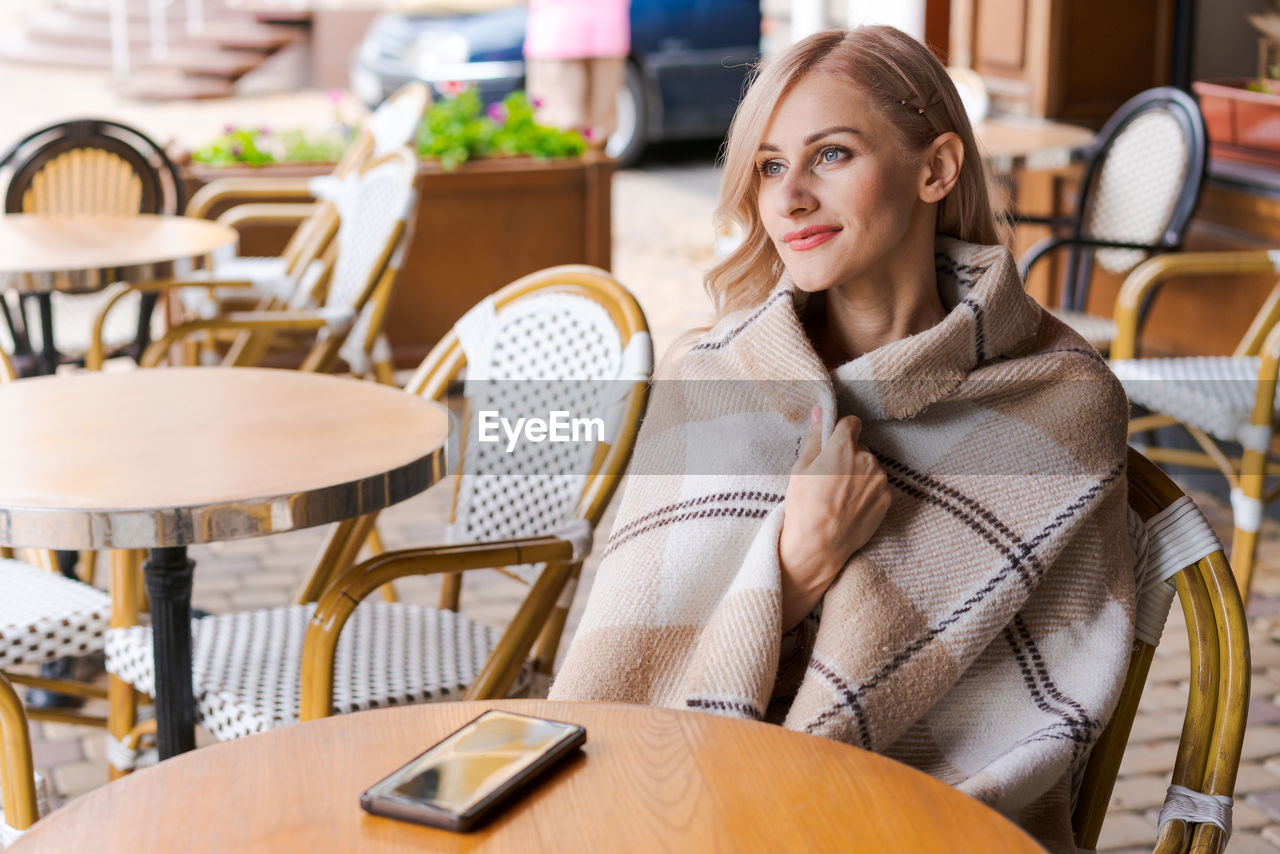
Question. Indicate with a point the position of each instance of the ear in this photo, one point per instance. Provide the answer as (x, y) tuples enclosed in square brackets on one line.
[(940, 168)]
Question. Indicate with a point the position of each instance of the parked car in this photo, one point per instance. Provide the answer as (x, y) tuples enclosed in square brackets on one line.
[(684, 76)]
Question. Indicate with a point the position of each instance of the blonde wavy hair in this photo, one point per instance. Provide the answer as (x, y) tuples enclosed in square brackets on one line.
[(890, 67)]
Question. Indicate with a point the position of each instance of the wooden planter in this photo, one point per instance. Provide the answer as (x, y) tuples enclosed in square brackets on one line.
[(477, 228), (1243, 125)]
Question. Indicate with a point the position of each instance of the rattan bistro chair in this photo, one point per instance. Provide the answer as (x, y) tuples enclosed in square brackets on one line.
[(360, 269), (1217, 399), (1176, 553), (43, 617), (567, 338), (292, 279), (84, 167), (1139, 190)]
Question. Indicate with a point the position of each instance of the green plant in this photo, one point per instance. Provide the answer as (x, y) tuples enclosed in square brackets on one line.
[(299, 146), (235, 145), (457, 128)]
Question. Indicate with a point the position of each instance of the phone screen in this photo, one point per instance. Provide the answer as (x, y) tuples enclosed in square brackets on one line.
[(475, 761)]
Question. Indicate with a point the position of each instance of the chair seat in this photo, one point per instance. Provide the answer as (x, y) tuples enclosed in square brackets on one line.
[(74, 315), (268, 275), (1213, 393), (1098, 331), (247, 666), (44, 616)]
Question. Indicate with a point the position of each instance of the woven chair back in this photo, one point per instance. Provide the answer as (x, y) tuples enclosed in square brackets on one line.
[(570, 340), (90, 166)]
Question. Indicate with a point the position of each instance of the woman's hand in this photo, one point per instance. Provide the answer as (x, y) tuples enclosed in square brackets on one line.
[(836, 498)]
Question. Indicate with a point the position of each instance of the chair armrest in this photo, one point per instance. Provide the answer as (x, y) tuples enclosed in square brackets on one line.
[(241, 321), (95, 355), (266, 213), (361, 580), (248, 190), (1153, 272), (1052, 243)]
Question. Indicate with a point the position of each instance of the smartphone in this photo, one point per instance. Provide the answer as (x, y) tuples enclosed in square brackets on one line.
[(464, 779)]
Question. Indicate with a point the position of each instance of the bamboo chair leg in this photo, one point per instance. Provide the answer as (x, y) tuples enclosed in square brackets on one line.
[(376, 547), (384, 373), (450, 591), (544, 658), (17, 771), (88, 566), (122, 701), (1247, 517)]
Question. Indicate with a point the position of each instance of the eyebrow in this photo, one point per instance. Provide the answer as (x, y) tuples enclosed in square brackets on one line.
[(814, 137)]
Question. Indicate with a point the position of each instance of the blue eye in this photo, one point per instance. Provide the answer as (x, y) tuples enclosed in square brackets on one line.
[(770, 168)]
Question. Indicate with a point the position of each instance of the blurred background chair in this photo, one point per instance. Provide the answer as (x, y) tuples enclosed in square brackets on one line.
[(358, 271), (84, 167), (568, 338), (1176, 552), (1216, 399), (293, 278), (1136, 198)]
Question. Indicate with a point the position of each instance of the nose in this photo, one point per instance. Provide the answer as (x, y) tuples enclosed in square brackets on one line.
[(797, 194)]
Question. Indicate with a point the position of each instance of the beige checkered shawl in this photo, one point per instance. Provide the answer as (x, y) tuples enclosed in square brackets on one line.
[(980, 636)]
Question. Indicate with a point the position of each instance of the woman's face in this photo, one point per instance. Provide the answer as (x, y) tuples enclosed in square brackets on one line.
[(837, 190)]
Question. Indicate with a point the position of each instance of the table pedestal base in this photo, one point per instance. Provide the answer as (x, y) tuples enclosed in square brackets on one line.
[(168, 578)]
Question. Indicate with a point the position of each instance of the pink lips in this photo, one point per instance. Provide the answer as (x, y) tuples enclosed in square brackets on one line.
[(809, 237)]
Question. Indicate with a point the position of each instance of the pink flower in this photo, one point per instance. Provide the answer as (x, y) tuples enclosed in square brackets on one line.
[(452, 88), (497, 112), (228, 128), (335, 96), (587, 134), (537, 102), (264, 131)]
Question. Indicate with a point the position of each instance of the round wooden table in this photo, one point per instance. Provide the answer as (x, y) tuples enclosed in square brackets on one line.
[(648, 780), (170, 457), (40, 254), (1009, 143)]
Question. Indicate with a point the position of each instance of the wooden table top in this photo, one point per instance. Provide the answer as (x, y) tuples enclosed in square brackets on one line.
[(1009, 142), (176, 456), (650, 780), (85, 253)]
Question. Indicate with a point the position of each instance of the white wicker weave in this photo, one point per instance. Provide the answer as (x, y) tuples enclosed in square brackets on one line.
[(1098, 331), (44, 616), (247, 670), (1213, 393), (1137, 187)]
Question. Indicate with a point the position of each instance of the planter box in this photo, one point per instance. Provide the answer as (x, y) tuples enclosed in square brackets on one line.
[(1243, 125), (477, 228)]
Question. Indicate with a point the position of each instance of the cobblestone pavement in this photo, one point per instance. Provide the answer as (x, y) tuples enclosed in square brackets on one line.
[(663, 241)]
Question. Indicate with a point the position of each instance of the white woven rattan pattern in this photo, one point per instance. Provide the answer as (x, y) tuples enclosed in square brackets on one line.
[(369, 206), (395, 121), (44, 616), (1137, 187), (1098, 331), (247, 666), (267, 274), (554, 352), (74, 315), (1213, 393)]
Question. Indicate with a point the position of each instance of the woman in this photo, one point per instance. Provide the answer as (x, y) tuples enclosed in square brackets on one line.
[(883, 498)]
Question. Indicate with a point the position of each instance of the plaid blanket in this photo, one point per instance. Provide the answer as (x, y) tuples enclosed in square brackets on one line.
[(981, 636)]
